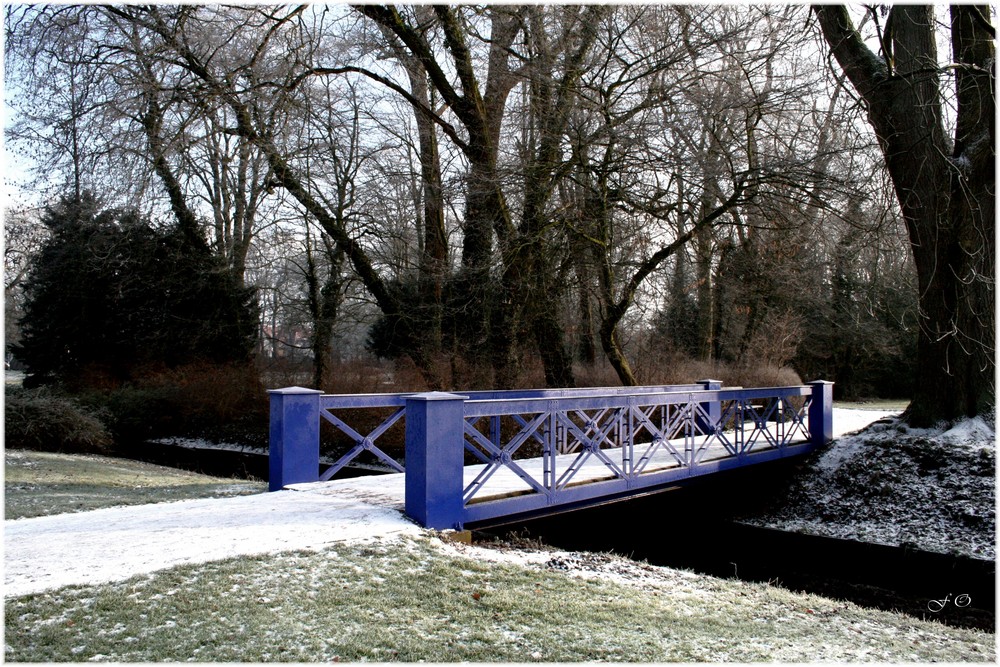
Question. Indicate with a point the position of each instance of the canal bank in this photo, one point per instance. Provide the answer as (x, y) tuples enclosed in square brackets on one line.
[(696, 529)]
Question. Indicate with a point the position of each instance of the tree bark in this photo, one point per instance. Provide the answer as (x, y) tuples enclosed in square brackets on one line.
[(945, 189), (434, 239)]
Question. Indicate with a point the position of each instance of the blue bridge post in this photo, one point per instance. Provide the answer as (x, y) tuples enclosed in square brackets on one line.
[(294, 449), (435, 453), (821, 412), (712, 408)]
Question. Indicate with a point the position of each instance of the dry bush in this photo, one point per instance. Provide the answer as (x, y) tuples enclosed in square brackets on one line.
[(283, 372), (760, 376), (41, 421), (532, 372), (361, 376), (598, 374), (200, 399), (676, 368), (218, 392), (776, 342)]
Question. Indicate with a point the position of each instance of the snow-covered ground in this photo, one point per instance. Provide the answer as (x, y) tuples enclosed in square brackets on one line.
[(931, 489), (118, 543)]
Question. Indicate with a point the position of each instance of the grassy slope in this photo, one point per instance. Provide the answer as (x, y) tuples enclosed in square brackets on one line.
[(424, 601), (40, 483), (418, 600)]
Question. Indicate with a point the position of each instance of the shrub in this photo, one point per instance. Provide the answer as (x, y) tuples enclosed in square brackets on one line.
[(40, 420), (759, 376), (201, 399)]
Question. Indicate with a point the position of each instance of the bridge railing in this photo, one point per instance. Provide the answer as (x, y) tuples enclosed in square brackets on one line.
[(534, 450), (297, 413)]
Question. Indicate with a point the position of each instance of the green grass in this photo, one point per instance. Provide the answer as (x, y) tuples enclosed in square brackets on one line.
[(41, 483), (411, 601)]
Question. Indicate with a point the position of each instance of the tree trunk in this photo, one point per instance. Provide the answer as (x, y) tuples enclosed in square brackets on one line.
[(703, 248), (946, 192), (615, 354), (433, 239), (587, 339)]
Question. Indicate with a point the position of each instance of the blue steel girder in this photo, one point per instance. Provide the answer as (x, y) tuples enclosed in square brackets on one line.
[(698, 451), (661, 436), (590, 423), (779, 410), (730, 412), (678, 422), (362, 442), (502, 456), (490, 444), (760, 421), (591, 446), (799, 419), (534, 435)]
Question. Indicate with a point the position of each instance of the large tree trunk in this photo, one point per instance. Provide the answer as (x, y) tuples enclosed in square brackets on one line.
[(703, 248), (324, 298), (433, 239), (616, 355), (946, 191)]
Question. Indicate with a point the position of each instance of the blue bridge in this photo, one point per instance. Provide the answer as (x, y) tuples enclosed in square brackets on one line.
[(482, 456)]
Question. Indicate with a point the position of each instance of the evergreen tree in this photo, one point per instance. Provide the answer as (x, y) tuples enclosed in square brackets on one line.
[(112, 293)]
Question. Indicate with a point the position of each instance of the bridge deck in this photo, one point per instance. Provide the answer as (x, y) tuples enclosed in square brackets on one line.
[(389, 489)]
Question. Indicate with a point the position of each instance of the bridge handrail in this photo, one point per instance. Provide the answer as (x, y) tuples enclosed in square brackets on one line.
[(377, 400), (492, 407)]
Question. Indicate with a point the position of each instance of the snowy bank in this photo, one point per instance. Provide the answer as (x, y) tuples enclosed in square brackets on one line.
[(930, 489)]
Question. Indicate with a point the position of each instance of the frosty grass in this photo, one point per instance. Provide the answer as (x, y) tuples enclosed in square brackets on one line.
[(418, 599)]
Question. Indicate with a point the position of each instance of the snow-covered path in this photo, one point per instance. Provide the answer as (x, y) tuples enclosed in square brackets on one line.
[(117, 543)]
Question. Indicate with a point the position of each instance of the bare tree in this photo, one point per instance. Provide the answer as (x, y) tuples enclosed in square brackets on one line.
[(120, 122), (685, 141), (945, 186)]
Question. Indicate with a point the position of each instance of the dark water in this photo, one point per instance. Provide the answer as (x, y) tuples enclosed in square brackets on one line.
[(218, 463), (694, 528)]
